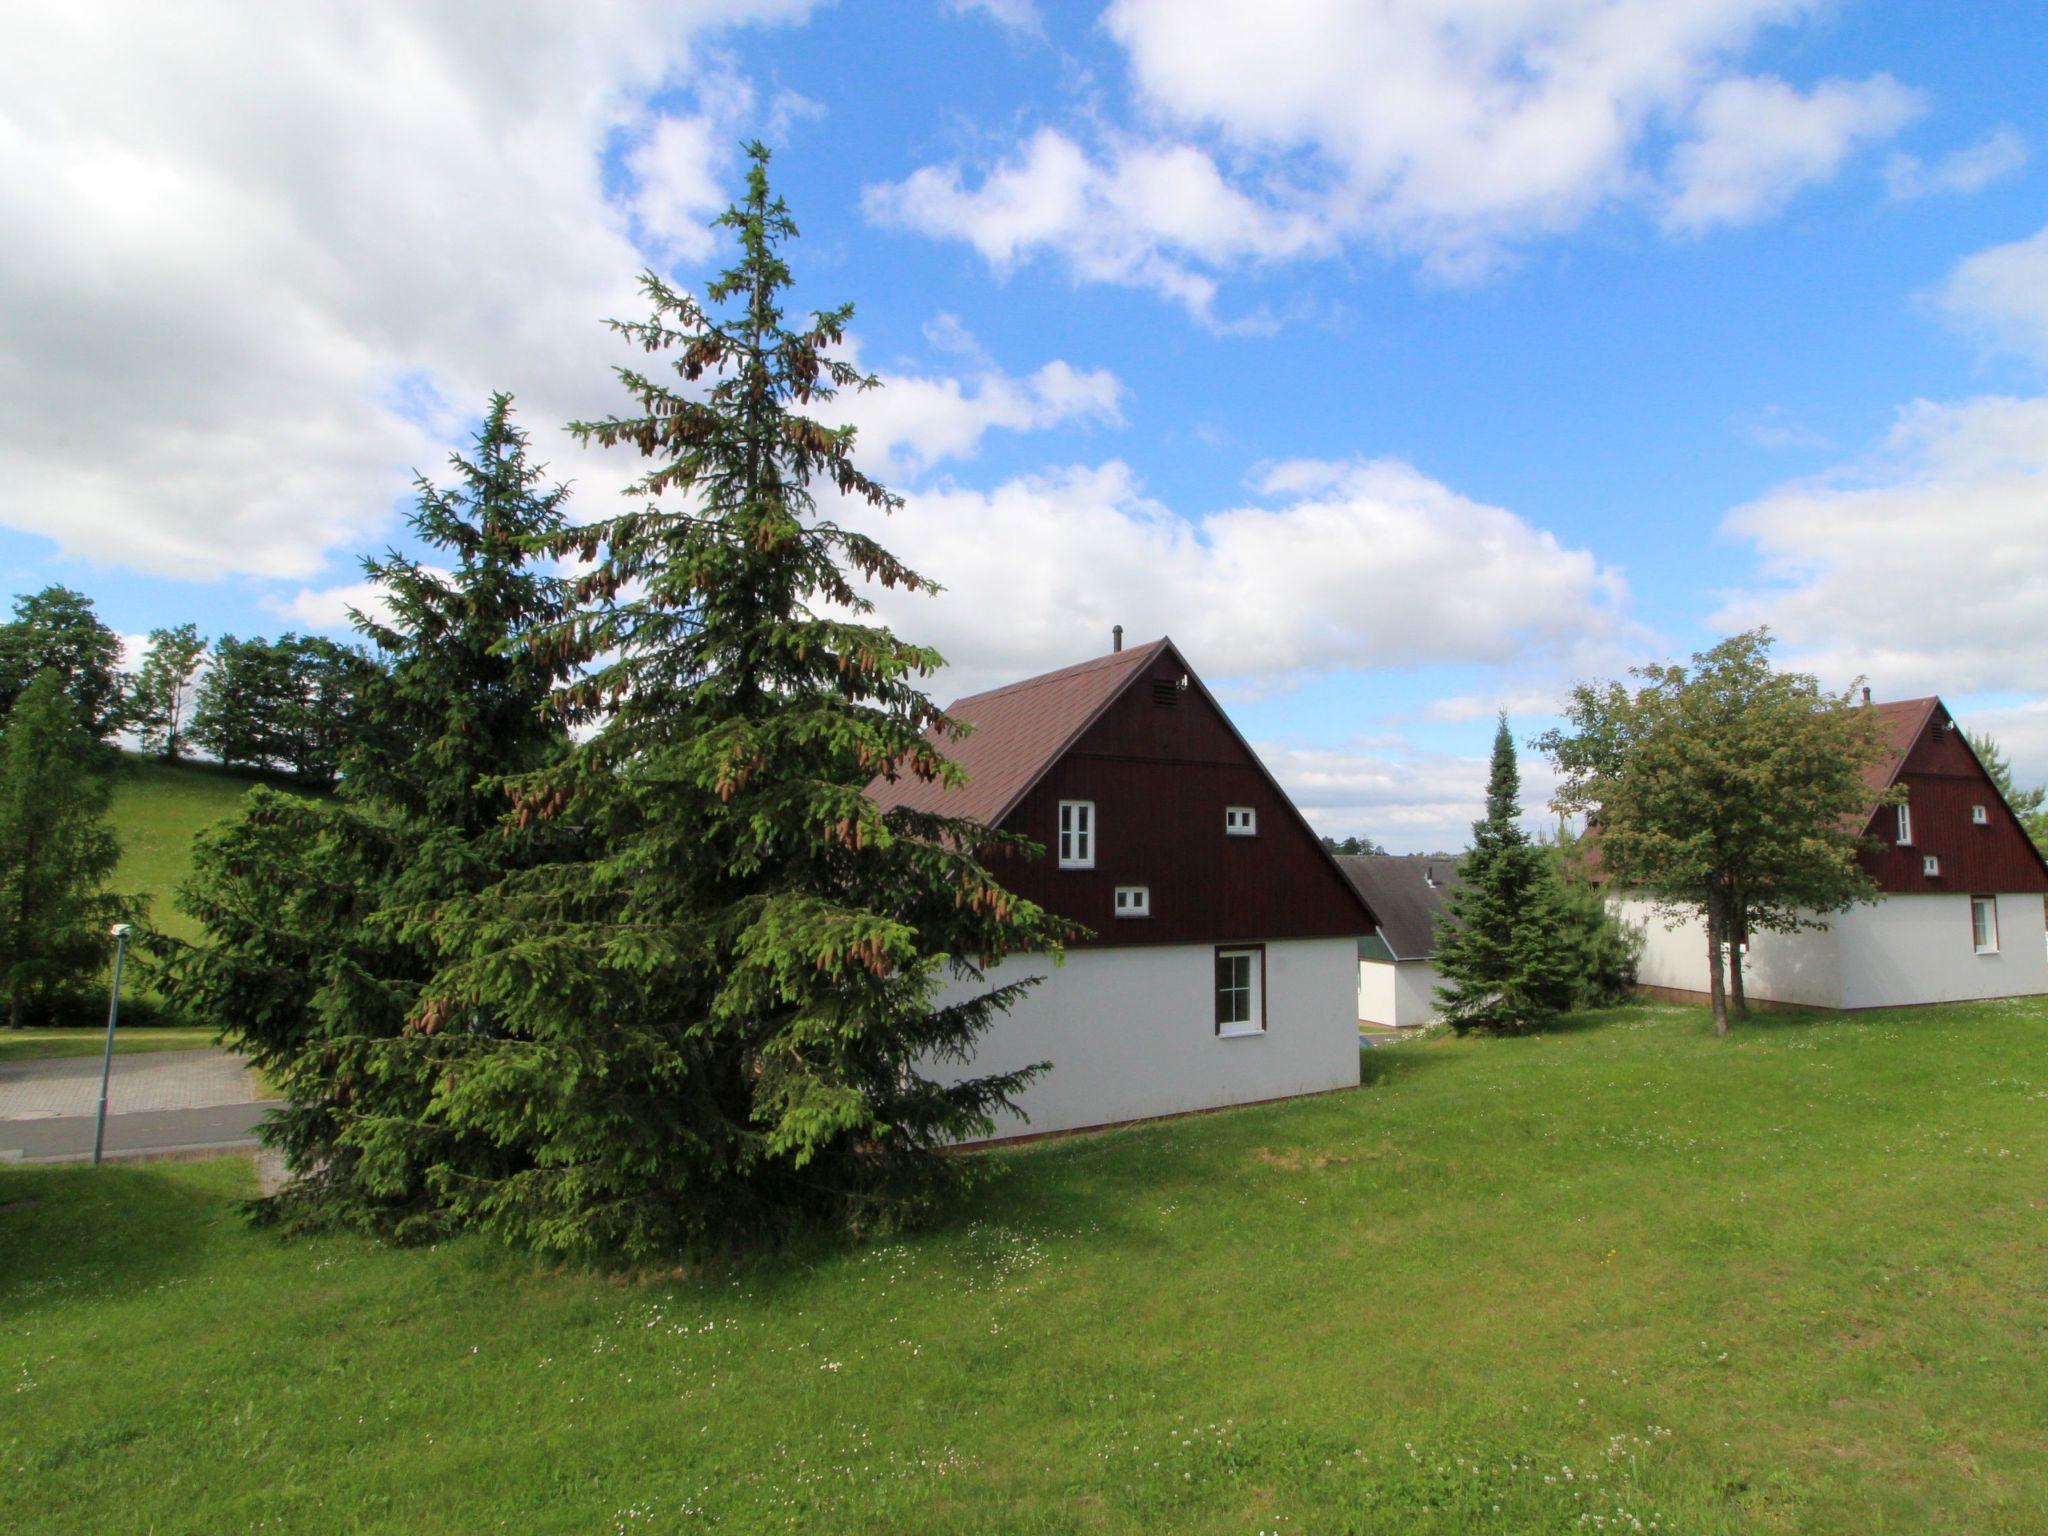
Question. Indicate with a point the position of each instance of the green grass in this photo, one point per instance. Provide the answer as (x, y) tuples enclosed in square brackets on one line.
[(158, 810), (1623, 1277), (38, 1043)]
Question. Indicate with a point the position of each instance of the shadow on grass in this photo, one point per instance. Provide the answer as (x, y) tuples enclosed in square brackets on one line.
[(79, 1231)]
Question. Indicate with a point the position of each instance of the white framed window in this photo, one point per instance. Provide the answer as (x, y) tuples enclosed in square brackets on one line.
[(1241, 821), (1980, 816), (1077, 834), (1984, 924), (1241, 990), (1930, 866), (1905, 826), (1134, 901)]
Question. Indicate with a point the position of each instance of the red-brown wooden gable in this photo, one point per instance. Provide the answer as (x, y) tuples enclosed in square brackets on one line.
[(1161, 776), (1943, 781)]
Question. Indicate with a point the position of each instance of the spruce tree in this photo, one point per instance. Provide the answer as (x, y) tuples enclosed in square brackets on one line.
[(727, 1014), (57, 853), (320, 913), (1499, 946), (160, 701)]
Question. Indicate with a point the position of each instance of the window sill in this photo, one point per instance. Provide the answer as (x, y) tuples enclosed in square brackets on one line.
[(1987, 954), (1240, 1032)]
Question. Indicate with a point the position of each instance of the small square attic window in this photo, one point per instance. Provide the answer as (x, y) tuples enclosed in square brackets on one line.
[(1980, 816), (1134, 901), (1241, 820)]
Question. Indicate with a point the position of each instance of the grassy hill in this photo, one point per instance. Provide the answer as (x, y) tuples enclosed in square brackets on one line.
[(1621, 1277), (156, 813), (158, 809)]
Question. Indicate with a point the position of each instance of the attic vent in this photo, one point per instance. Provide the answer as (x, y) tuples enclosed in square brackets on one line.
[(1165, 693)]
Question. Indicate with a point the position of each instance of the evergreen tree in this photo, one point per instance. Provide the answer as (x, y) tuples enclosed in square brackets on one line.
[(1601, 953), (56, 852), (1499, 947), (320, 913), (726, 1014), (56, 630), (2029, 805), (160, 701)]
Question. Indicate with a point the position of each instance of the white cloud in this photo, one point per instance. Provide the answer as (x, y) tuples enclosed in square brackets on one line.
[(1338, 566), (2000, 296), (1019, 16), (1957, 174), (325, 608), (1924, 566), (1144, 215), (255, 271), (912, 421), (1756, 142), (1452, 134), (2021, 730), (1411, 801), (677, 191)]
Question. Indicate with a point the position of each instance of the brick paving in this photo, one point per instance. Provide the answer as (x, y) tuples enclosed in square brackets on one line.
[(157, 1102)]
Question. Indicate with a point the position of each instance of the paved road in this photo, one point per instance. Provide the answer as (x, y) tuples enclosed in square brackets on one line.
[(162, 1101)]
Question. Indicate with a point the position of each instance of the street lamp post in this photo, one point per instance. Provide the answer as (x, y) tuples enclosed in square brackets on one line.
[(99, 1129)]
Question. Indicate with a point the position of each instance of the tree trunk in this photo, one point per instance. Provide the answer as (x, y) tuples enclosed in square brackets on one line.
[(1738, 939), (1716, 990)]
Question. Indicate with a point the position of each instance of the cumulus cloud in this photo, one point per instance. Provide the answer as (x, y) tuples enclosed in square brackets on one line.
[(255, 271), (1757, 141), (2000, 297), (1450, 134), (1334, 566), (1143, 215), (914, 421), (1409, 800), (1958, 174), (1923, 565)]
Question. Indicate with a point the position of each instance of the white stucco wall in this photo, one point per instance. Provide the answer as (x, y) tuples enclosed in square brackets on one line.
[(1800, 968), (1901, 950), (1919, 949), (1399, 993), (1131, 1033)]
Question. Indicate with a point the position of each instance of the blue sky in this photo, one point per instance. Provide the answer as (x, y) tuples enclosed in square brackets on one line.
[(1403, 361)]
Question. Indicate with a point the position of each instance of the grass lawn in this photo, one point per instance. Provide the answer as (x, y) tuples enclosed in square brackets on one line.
[(157, 811), (1620, 1278), (33, 1044)]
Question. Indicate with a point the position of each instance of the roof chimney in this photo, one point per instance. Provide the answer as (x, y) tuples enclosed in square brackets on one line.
[(1866, 693), (1116, 640)]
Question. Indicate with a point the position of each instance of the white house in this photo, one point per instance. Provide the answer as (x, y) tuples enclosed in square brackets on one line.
[(1961, 914), (1221, 962), (1397, 977)]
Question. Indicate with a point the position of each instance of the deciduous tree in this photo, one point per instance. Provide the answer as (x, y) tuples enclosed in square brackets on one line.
[(57, 630), (1727, 789), (160, 700)]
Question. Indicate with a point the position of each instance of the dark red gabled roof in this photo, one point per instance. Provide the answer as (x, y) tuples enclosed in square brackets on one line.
[(1020, 730), (1900, 721)]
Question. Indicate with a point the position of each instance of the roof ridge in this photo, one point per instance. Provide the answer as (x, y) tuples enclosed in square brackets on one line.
[(1130, 656)]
